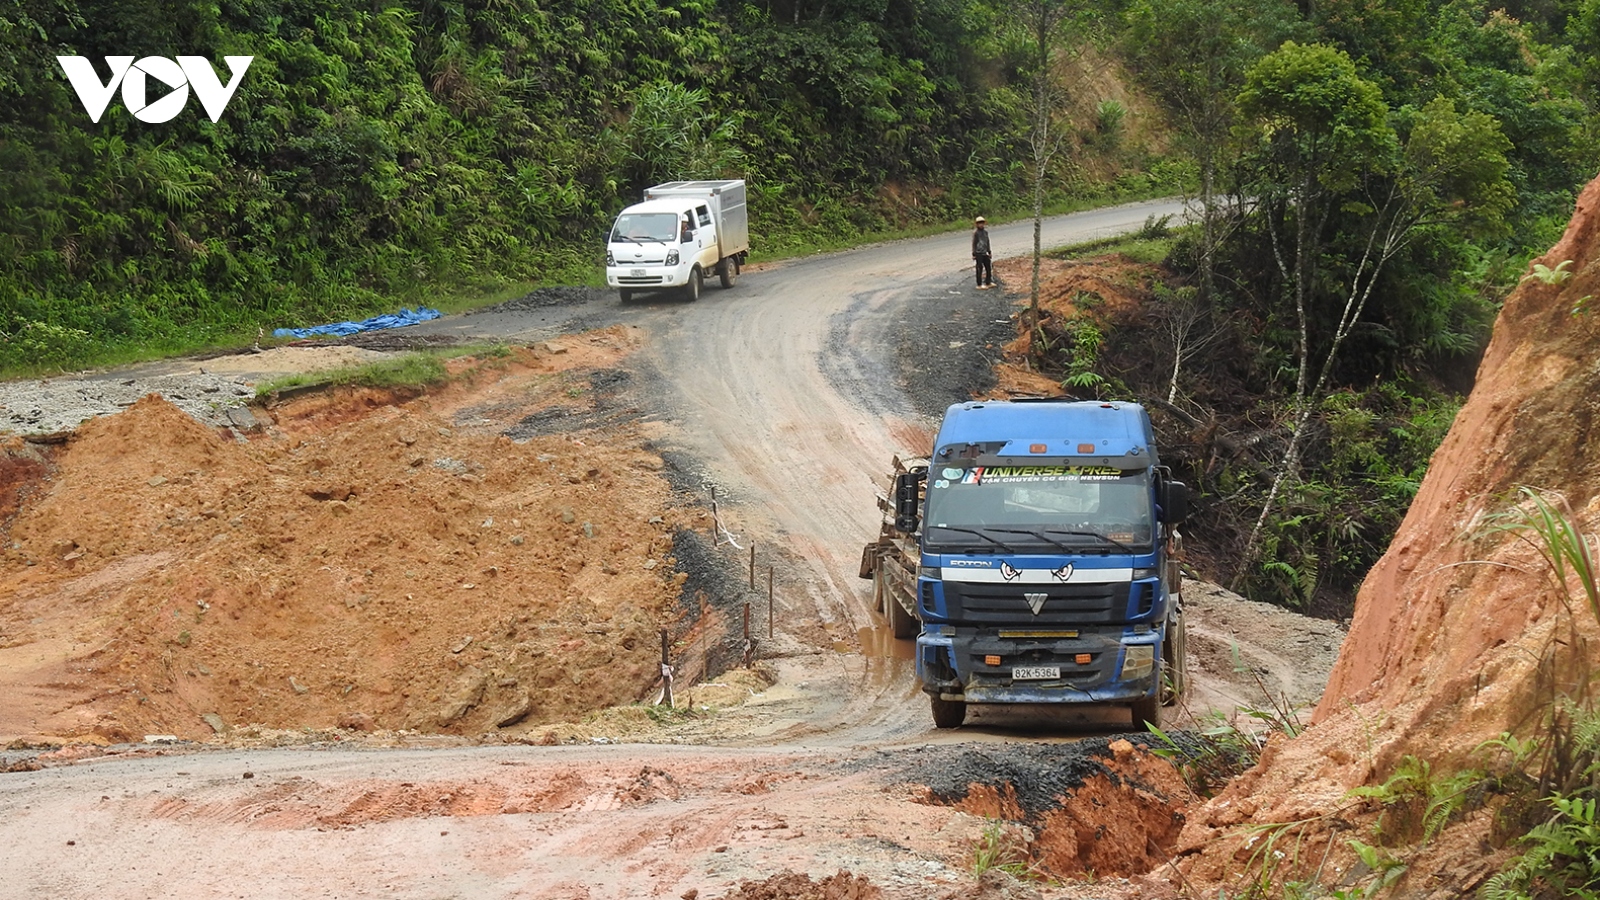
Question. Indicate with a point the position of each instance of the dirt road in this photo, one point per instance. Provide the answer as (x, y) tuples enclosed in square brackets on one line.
[(789, 394)]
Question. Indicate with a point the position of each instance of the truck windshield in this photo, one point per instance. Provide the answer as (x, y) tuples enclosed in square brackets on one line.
[(661, 228), (1042, 506)]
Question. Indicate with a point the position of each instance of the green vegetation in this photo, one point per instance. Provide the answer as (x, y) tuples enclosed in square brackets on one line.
[(385, 154), (1000, 847), (1222, 748), (1367, 192), (1371, 180), (423, 368)]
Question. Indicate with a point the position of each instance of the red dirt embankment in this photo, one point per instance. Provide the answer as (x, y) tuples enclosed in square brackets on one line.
[(367, 562), (1455, 628)]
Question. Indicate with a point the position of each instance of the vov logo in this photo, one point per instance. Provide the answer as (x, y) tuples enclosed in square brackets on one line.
[(133, 77)]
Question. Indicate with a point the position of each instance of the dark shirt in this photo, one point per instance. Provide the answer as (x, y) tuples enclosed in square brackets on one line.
[(980, 242)]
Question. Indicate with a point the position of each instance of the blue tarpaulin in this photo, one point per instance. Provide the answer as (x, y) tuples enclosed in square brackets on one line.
[(391, 320)]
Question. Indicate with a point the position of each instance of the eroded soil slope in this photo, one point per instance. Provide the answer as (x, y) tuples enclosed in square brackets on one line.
[(367, 561)]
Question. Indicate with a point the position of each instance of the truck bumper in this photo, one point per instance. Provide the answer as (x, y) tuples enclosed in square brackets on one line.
[(978, 667), (647, 278)]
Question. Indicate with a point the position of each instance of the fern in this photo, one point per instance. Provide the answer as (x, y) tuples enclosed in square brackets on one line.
[(1547, 275), (1563, 858)]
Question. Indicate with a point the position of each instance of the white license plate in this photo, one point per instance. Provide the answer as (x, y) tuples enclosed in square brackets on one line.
[(637, 273), (1035, 673)]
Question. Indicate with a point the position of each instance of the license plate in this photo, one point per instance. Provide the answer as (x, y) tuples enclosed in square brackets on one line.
[(1035, 673), (637, 273)]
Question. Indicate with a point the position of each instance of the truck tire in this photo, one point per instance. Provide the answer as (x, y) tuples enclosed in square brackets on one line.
[(1147, 712), (901, 623), (691, 291), (626, 295), (948, 713), (728, 271), (1175, 661)]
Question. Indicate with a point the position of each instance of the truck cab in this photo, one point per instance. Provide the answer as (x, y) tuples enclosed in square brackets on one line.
[(1043, 540)]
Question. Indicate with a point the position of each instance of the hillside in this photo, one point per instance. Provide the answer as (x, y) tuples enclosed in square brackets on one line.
[(1462, 632)]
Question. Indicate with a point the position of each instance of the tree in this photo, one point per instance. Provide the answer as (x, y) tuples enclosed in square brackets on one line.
[(1193, 55), (1041, 22), (1324, 147)]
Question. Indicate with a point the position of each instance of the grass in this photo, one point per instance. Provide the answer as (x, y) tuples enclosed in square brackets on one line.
[(1000, 848), (1150, 244), (419, 369)]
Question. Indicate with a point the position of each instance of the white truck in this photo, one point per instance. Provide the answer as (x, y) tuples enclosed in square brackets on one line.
[(683, 231)]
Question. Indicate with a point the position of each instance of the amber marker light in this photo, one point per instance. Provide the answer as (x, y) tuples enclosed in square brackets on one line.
[(991, 660), (1082, 659)]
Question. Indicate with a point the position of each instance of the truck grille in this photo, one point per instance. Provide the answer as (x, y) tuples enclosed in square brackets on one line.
[(1081, 675), (631, 279), (1067, 604)]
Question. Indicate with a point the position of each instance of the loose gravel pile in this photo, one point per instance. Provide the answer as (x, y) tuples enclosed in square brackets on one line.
[(60, 404), (541, 298)]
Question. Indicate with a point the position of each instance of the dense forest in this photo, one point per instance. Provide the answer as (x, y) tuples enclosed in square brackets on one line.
[(1373, 177), (377, 151)]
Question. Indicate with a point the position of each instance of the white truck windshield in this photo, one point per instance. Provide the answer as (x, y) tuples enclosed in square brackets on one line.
[(1053, 503), (661, 228)]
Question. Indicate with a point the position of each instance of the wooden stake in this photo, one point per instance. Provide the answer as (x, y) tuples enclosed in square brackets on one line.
[(666, 673)]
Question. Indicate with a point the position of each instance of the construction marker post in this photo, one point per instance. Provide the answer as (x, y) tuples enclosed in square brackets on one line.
[(749, 643), (666, 673)]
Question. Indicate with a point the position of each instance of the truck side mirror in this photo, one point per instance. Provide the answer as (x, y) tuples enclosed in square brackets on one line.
[(907, 494), (1174, 499)]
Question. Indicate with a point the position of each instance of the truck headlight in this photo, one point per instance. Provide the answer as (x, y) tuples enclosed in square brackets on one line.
[(672, 257), (1138, 660), (610, 259)]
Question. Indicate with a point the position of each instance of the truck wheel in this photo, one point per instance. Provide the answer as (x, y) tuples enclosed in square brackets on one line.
[(692, 289), (902, 623), (948, 713), (1175, 661), (729, 271), (627, 296), (1147, 713)]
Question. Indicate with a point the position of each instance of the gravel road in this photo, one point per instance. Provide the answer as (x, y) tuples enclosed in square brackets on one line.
[(790, 393)]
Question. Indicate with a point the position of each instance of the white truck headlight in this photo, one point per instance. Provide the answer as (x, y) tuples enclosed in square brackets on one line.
[(1138, 660), (672, 257), (610, 259)]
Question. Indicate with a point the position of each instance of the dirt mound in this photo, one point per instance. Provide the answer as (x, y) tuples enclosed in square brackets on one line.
[(1100, 806), (790, 886), (366, 562)]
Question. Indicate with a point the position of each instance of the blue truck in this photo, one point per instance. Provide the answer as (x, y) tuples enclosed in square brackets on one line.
[(1034, 557)]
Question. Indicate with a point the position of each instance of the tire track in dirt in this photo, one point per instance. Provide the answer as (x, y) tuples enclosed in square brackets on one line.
[(785, 388)]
